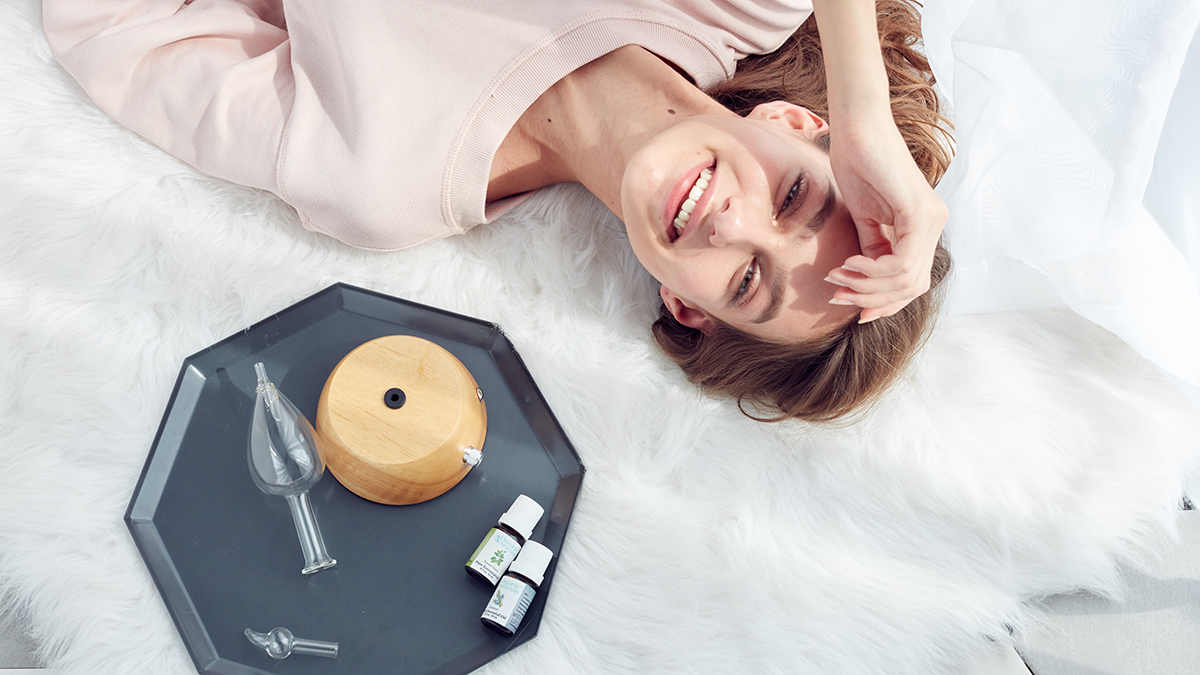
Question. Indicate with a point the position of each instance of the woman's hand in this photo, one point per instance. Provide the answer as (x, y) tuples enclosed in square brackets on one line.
[(898, 216)]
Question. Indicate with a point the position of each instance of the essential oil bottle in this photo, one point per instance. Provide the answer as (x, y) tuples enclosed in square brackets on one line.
[(502, 543), (516, 589)]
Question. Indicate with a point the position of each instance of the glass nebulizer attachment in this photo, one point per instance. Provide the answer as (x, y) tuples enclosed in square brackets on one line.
[(285, 462)]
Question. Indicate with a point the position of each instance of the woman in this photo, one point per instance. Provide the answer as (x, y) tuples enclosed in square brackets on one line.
[(776, 258)]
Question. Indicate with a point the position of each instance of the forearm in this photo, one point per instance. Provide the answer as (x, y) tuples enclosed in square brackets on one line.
[(854, 71)]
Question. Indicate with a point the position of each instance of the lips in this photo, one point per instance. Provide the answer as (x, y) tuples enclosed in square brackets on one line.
[(679, 195)]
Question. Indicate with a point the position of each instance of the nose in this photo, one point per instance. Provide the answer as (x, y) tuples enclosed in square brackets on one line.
[(729, 222)]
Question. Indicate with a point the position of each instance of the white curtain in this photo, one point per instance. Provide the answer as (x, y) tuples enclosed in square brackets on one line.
[(1077, 176)]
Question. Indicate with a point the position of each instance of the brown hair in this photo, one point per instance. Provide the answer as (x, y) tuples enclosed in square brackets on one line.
[(825, 378)]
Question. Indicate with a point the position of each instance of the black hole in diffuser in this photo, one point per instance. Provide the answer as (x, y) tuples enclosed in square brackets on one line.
[(393, 398)]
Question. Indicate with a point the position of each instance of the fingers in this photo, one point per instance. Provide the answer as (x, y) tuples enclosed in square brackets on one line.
[(879, 296), (875, 305), (870, 314), (886, 276), (909, 252), (874, 240), (883, 285), (875, 300)]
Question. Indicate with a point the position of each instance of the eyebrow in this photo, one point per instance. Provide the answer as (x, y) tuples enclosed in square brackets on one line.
[(817, 222), (776, 293)]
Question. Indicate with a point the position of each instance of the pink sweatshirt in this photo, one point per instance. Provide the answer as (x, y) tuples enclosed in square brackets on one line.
[(377, 120)]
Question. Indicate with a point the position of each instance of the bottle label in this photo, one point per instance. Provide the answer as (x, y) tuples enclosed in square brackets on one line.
[(494, 555), (509, 603)]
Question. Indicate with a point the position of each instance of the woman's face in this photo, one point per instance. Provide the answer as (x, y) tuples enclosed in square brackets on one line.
[(761, 236)]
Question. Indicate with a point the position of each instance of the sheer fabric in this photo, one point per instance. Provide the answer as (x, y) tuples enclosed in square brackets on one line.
[(1077, 176)]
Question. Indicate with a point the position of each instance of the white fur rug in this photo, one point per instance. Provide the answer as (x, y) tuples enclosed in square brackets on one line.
[(1024, 453)]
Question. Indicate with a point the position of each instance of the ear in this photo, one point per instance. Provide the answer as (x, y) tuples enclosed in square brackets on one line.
[(686, 313), (788, 115)]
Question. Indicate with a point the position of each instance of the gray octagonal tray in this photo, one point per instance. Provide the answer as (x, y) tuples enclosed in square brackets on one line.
[(225, 556)]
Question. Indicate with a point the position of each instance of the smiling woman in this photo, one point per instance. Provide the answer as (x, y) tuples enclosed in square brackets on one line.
[(782, 206), (759, 238), (843, 365)]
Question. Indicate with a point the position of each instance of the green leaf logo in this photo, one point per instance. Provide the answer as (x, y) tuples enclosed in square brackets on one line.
[(498, 557)]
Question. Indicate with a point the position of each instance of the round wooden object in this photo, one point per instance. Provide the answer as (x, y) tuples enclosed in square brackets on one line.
[(406, 454)]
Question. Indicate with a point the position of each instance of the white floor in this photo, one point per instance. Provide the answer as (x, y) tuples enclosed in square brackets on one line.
[(1156, 630)]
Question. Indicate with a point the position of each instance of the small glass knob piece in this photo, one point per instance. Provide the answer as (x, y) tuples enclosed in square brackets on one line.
[(472, 456), (279, 643)]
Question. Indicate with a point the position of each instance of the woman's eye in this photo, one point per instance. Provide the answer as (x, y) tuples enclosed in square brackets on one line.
[(747, 282), (791, 195)]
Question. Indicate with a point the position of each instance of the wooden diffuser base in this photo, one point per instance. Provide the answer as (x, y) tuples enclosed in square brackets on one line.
[(395, 417)]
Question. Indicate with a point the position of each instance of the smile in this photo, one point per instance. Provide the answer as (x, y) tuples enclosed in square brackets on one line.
[(688, 200), (693, 196)]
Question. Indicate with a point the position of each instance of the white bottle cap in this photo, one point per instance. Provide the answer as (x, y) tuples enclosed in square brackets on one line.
[(532, 561), (523, 515)]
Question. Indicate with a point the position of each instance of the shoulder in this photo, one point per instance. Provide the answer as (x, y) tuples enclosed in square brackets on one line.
[(748, 26)]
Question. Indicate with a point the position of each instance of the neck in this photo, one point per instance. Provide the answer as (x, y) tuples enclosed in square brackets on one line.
[(587, 126)]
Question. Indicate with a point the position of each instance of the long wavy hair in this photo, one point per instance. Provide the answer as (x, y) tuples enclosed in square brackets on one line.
[(825, 378)]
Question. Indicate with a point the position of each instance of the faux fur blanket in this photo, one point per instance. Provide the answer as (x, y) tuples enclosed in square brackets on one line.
[(1023, 453)]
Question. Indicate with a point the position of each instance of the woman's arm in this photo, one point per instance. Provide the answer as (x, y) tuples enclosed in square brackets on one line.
[(209, 81), (879, 181)]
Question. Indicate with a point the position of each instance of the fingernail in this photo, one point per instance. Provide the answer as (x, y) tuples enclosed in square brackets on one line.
[(839, 301), (862, 320), (851, 269), (833, 281)]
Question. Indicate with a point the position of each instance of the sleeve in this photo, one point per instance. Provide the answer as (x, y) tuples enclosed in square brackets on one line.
[(209, 81)]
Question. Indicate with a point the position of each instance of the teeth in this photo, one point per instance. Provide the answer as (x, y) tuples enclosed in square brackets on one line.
[(685, 210)]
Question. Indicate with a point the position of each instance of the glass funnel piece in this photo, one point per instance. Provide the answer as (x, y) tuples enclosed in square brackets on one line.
[(279, 643), (286, 462)]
